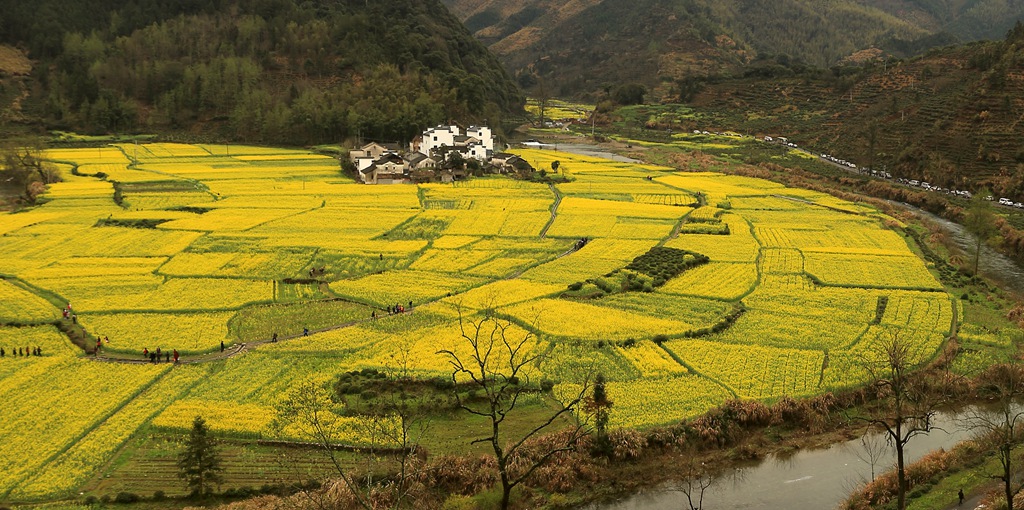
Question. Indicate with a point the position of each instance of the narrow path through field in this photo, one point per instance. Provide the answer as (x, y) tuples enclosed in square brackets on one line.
[(554, 211), (229, 351)]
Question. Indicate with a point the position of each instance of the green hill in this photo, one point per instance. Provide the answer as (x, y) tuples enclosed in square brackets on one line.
[(568, 48), (271, 71), (953, 117)]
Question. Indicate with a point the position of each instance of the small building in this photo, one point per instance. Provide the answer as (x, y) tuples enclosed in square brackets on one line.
[(388, 169)]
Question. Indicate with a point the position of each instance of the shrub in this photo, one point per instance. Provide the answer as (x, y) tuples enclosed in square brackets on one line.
[(105, 500), (604, 285), (575, 286), (660, 339), (159, 496), (126, 498), (626, 444), (442, 383), (91, 500), (458, 502), (546, 385)]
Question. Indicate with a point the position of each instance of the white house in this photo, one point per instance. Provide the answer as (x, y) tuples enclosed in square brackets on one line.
[(479, 141), (441, 136), (483, 134)]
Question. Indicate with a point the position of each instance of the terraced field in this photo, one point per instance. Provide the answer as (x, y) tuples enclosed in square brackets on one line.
[(236, 248)]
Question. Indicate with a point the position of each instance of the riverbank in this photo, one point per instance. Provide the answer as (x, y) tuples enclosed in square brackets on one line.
[(984, 305)]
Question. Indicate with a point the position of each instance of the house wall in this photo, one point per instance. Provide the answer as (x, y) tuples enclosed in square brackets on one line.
[(483, 134), (438, 137)]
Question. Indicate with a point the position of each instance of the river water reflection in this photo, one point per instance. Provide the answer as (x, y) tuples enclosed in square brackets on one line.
[(807, 480)]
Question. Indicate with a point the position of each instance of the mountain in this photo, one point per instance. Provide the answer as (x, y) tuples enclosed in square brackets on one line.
[(967, 20), (270, 71), (582, 46), (953, 117)]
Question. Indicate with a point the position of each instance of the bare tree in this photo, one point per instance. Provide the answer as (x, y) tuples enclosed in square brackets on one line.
[(310, 410), (905, 410), (872, 449), (697, 480), (498, 362), (23, 166), (1003, 384), (393, 422)]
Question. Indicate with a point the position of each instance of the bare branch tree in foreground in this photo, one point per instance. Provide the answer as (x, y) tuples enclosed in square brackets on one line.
[(1001, 425), (498, 360), (905, 410)]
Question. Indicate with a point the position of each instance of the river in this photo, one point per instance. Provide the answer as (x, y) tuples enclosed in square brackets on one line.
[(993, 265), (807, 480)]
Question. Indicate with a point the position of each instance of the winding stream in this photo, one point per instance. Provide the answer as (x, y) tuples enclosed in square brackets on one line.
[(807, 480), (993, 265)]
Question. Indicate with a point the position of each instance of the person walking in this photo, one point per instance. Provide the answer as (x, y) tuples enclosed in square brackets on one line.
[(175, 356), (961, 496), (222, 346)]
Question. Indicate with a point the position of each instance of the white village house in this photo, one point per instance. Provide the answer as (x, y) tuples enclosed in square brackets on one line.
[(384, 164)]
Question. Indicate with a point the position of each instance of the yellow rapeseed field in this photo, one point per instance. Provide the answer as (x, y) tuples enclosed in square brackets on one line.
[(786, 305)]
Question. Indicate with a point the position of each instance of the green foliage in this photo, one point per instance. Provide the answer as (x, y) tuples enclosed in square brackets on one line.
[(629, 94), (393, 67), (980, 220), (663, 263), (199, 462)]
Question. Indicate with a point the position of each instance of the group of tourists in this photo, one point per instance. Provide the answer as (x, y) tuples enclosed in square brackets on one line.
[(158, 355), (68, 314), (28, 351)]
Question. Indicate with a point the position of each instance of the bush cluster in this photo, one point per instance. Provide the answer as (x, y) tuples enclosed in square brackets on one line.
[(662, 263)]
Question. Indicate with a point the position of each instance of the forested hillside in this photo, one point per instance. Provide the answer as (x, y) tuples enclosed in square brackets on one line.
[(272, 71), (952, 117), (568, 48), (967, 20)]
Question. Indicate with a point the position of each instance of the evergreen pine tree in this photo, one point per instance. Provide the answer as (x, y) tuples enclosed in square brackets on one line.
[(199, 462)]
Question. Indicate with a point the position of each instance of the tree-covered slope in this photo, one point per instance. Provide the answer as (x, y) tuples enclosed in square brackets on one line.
[(580, 46), (967, 20), (278, 71), (952, 117)]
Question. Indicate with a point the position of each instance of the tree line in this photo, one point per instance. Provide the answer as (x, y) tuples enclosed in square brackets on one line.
[(268, 71)]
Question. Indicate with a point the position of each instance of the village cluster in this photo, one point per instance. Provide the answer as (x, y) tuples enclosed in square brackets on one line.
[(440, 154)]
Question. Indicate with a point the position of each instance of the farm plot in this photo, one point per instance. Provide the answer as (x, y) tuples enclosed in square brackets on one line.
[(717, 280), (754, 371), (19, 306), (872, 271), (577, 320), (399, 287), (252, 241)]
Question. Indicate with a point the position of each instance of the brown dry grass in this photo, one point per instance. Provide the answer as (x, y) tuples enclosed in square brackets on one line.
[(13, 61)]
